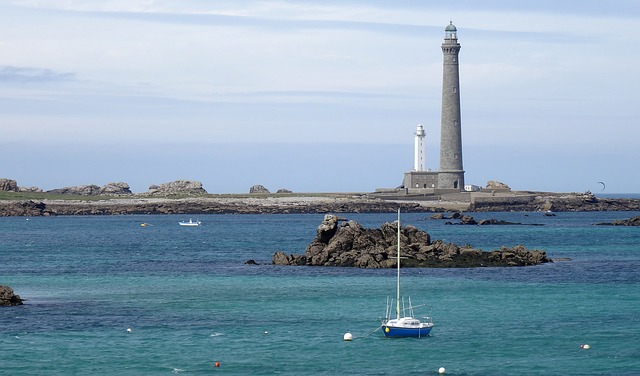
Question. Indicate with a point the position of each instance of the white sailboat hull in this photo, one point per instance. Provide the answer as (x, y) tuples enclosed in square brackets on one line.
[(407, 326)]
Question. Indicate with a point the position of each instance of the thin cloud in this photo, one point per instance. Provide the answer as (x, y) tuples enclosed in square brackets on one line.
[(34, 75)]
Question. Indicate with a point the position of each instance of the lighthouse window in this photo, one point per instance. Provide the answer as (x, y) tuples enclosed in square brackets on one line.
[(455, 90), (454, 59)]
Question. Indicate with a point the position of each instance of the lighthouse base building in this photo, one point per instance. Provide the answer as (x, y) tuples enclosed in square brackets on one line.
[(421, 182)]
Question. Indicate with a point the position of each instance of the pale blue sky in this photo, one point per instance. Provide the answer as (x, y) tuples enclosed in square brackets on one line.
[(315, 96)]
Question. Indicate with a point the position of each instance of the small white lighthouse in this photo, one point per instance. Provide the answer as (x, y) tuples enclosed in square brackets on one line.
[(420, 153)]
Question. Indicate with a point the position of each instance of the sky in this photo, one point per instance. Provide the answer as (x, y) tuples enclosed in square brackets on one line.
[(316, 96)]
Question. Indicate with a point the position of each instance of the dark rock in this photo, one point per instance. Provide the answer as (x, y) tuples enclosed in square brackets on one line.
[(494, 221), (282, 190), (8, 298), (456, 215), (25, 208), (635, 221), (251, 262), (352, 245), (468, 220)]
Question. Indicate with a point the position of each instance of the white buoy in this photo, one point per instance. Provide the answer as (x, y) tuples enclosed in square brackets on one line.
[(348, 337), (129, 330), (586, 346), (265, 332), (442, 371)]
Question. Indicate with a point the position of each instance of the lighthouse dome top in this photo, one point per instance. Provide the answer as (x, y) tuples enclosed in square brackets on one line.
[(450, 31)]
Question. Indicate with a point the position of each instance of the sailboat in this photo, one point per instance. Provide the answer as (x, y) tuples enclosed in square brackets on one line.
[(404, 324)]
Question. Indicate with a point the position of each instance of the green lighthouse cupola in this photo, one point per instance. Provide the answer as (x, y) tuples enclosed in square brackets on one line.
[(450, 31)]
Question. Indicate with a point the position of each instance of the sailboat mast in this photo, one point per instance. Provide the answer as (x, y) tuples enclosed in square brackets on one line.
[(398, 256)]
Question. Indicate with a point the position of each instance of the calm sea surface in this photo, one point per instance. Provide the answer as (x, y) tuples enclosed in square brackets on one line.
[(190, 300)]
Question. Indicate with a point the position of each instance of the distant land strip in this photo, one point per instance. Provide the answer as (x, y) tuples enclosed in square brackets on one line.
[(41, 204)]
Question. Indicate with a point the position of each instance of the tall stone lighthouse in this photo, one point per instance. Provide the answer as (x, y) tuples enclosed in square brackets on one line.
[(451, 174), (450, 177)]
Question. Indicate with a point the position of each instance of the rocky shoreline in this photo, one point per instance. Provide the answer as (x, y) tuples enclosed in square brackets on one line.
[(316, 203), (351, 245), (189, 197)]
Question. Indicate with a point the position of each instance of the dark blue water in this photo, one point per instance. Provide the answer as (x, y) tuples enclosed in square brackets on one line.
[(190, 300)]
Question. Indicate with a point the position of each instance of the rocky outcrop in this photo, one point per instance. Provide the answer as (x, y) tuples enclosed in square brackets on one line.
[(496, 185), (77, 190), (119, 188), (635, 221), (26, 208), (283, 190), (546, 203), (349, 244), (29, 189), (469, 220), (8, 298), (178, 187), (258, 189), (94, 190), (8, 185), (439, 216), (493, 221)]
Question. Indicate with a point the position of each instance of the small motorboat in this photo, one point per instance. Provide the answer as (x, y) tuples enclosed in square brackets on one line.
[(190, 223)]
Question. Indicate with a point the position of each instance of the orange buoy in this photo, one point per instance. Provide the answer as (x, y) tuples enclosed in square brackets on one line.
[(217, 364)]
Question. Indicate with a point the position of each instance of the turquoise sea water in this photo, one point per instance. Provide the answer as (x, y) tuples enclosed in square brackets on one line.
[(190, 300)]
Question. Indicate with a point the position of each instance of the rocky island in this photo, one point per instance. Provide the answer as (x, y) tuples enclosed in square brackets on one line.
[(349, 244), (189, 197), (8, 298)]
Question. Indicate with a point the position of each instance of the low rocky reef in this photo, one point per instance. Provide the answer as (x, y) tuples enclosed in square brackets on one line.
[(8, 298), (469, 220), (635, 221), (349, 244)]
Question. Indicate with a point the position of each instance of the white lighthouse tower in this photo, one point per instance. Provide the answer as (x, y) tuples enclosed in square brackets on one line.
[(420, 152)]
